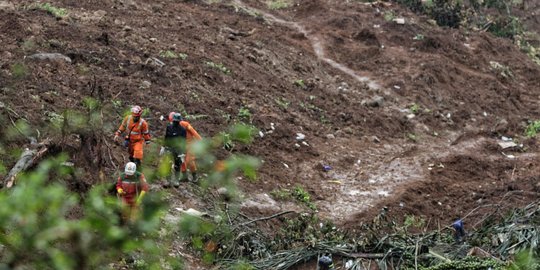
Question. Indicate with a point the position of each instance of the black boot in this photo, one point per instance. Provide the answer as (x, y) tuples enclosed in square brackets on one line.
[(176, 179), (194, 178)]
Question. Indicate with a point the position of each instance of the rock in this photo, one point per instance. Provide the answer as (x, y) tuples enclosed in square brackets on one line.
[(7, 6), (152, 61), (49, 56), (399, 20), (377, 101), (153, 39), (410, 116), (330, 136), (300, 136), (127, 28), (375, 139), (146, 84)]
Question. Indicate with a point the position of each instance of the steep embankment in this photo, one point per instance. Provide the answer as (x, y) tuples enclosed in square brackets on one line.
[(407, 115)]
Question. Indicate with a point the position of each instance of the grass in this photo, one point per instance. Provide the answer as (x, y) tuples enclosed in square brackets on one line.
[(532, 129), (19, 70), (282, 102), (219, 66), (278, 4), (300, 83), (298, 194), (172, 55), (55, 11), (244, 114)]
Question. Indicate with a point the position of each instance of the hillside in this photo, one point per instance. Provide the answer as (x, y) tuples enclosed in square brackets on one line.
[(408, 116)]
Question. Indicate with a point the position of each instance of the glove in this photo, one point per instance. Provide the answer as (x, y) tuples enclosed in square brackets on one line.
[(120, 191), (139, 199), (162, 151), (162, 118), (116, 137)]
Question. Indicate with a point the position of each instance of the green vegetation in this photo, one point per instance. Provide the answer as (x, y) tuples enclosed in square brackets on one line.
[(219, 67), (244, 114), (278, 4), (415, 108), (172, 55), (470, 263), (298, 193), (19, 70), (282, 102), (532, 129), (300, 83), (55, 11)]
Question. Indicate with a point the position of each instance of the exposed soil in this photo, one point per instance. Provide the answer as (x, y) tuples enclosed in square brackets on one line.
[(361, 76)]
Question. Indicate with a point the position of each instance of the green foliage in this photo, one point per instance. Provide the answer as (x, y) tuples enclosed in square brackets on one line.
[(278, 4), (19, 70), (298, 193), (413, 137), (283, 103), (245, 114), (300, 83), (415, 108), (525, 260), (389, 16), (506, 26), (469, 263), (219, 67), (55, 11), (173, 55), (37, 232), (303, 196), (418, 37), (532, 129)]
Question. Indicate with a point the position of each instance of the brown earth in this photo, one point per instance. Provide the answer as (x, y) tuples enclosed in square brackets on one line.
[(361, 76)]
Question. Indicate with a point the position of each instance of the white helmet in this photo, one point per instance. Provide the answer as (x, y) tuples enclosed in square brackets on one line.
[(130, 168)]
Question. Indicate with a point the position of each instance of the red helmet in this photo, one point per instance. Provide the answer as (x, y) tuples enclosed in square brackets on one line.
[(136, 111), (171, 116)]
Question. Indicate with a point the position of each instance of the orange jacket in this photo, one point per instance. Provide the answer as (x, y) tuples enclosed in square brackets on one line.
[(191, 133), (136, 130), (132, 185)]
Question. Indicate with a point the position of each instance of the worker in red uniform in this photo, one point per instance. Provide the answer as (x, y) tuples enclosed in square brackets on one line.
[(131, 186), (137, 134)]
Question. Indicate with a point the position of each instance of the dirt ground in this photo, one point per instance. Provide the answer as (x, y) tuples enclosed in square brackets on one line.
[(408, 116)]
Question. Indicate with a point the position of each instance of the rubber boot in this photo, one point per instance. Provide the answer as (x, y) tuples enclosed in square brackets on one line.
[(184, 177), (194, 177), (175, 179)]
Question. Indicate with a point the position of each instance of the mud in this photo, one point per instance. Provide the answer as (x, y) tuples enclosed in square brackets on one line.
[(429, 148)]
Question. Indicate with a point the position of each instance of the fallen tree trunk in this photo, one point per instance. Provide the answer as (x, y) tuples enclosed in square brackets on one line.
[(24, 162), (28, 158)]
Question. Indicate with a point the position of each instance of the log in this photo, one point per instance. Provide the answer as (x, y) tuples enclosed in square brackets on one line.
[(28, 158), (25, 161)]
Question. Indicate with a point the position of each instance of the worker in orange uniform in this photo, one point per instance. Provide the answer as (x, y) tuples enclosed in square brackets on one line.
[(131, 186), (137, 134), (191, 136)]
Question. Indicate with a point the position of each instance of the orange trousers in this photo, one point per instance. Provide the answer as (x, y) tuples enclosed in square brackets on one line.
[(189, 161), (136, 149)]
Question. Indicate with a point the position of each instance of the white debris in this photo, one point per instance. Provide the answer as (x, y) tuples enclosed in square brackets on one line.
[(296, 145), (505, 145), (397, 87), (399, 20), (506, 139), (439, 203), (300, 136), (485, 114), (286, 166), (383, 193), (305, 143), (410, 116), (272, 126), (261, 134), (50, 56), (330, 136)]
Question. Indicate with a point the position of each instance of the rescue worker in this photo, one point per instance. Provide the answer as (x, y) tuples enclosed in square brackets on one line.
[(137, 134), (191, 137), (131, 186), (175, 143)]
